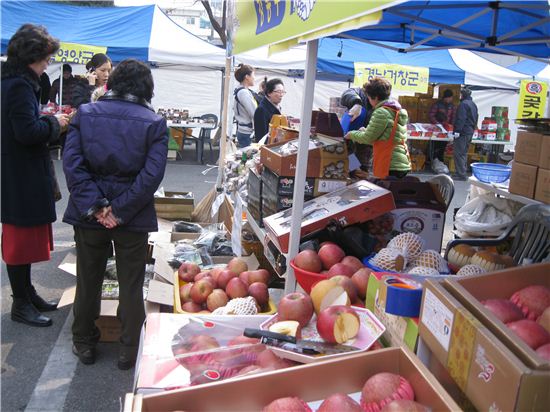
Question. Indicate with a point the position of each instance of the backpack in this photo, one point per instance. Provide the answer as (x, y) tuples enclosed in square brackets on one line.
[(256, 96)]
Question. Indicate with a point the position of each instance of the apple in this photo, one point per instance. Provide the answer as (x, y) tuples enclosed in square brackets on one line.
[(340, 269), (405, 405), (330, 254), (383, 388), (202, 342), (243, 340), (338, 402), (258, 291), (287, 327), (353, 263), (217, 299), (361, 280), (185, 291), (215, 272), (200, 291), (293, 404), (191, 307), (184, 274), (224, 277), (237, 266), (201, 275), (260, 275), (308, 260), (327, 292), (296, 306), (236, 288), (244, 277), (348, 285), (338, 324)]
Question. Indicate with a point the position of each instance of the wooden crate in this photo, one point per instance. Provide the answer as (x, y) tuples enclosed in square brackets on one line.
[(173, 208)]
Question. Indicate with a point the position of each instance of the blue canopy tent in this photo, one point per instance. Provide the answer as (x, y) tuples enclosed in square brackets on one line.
[(143, 33), (533, 68)]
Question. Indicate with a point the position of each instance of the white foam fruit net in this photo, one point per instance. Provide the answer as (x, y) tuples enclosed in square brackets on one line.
[(411, 244), (238, 306)]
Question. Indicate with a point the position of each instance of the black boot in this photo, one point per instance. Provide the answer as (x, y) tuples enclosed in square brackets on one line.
[(22, 310), (39, 303)]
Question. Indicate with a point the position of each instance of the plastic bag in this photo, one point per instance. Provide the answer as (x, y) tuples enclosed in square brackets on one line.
[(484, 213)]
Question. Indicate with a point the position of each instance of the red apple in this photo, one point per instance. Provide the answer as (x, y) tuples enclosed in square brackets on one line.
[(184, 274), (237, 266), (193, 268), (215, 272), (503, 309), (258, 291), (185, 293), (191, 307), (384, 387), (308, 260), (348, 286), (530, 332), (267, 359), (338, 324), (260, 275), (296, 306), (340, 269), (353, 263), (405, 405), (224, 277), (217, 299), (290, 404), (330, 254), (201, 290), (236, 288), (544, 351), (202, 342), (361, 279), (201, 275), (244, 277), (339, 402)]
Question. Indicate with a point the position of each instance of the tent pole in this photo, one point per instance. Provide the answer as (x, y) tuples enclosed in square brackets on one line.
[(301, 164), (223, 138)]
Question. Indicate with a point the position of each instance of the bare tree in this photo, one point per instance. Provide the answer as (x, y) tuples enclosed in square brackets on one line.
[(218, 26)]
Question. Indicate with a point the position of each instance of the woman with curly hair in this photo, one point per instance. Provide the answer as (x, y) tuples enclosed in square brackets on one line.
[(28, 205), (114, 161)]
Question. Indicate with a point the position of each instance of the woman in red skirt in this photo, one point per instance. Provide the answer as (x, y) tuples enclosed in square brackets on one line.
[(28, 206)]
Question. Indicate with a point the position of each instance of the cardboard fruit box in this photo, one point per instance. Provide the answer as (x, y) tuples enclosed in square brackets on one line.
[(484, 368), (313, 382), (470, 291), (175, 205)]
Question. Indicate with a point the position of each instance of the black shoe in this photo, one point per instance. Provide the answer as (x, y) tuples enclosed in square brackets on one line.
[(126, 360), (40, 303), (22, 310), (86, 356)]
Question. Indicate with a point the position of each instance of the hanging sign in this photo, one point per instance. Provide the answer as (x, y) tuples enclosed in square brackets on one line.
[(76, 53), (406, 78), (532, 99)]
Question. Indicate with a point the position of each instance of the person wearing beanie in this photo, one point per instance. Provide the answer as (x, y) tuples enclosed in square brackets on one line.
[(442, 112), (464, 127)]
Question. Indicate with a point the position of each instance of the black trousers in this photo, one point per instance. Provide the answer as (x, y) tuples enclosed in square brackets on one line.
[(93, 247)]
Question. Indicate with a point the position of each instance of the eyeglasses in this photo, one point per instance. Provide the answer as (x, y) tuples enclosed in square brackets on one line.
[(279, 91)]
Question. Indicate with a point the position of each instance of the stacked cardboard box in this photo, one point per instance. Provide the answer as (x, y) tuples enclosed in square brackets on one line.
[(175, 205), (531, 167)]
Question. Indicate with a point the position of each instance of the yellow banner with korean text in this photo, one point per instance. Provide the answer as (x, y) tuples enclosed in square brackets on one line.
[(404, 78), (76, 53), (532, 99)]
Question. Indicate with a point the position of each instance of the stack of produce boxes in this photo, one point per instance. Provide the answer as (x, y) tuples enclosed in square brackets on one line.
[(531, 167), (500, 114)]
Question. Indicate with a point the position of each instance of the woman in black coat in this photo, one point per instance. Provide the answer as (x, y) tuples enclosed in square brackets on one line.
[(269, 106), (28, 206), (98, 70)]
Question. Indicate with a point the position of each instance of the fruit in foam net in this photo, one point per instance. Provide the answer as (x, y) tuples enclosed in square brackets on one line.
[(410, 243), (503, 309), (383, 388), (487, 260), (338, 324), (339, 402), (258, 291), (309, 260), (330, 254), (544, 351), (431, 259), (217, 299), (236, 288), (327, 292), (530, 332), (200, 291), (532, 300), (423, 271), (296, 306), (340, 269), (470, 270), (544, 319), (405, 405), (390, 259), (353, 262), (461, 255), (287, 327), (361, 279), (289, 404), (237, 266)]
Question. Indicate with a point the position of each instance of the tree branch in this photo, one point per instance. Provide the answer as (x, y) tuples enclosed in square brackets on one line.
[(220, 29)]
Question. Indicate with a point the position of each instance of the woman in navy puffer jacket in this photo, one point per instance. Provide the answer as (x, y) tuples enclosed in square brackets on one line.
[(114, 161)]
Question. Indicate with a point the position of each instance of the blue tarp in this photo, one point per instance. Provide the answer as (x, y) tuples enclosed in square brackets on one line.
[(530, 67), (442, 67)]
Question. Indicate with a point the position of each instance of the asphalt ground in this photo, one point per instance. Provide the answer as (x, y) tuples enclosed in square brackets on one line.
[(39, 371)]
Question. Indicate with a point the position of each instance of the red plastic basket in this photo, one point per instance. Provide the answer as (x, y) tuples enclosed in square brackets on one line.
[(306, 279)]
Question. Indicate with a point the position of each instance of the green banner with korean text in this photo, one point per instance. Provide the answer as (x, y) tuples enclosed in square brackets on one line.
[(76, 53), (404, 78), (283, 23), (532, 99)]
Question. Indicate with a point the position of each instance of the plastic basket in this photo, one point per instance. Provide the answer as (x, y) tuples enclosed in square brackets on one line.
[(491, 172), (306, 279)]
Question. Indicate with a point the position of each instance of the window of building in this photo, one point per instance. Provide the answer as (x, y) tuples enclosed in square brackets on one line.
[(190, 20)]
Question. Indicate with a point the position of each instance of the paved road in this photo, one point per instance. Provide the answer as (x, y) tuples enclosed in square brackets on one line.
[(39, 372)]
